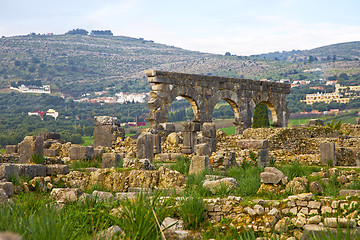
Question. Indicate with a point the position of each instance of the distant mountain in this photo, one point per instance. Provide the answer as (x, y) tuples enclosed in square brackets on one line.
[(342, 51), (81, 64)]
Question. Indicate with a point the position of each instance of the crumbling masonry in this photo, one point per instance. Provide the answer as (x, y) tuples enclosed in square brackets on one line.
[(204, 92)]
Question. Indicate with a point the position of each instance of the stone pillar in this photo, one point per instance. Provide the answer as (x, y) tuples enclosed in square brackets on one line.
[(327, 153), (199, 164), (30, 146), (189, 130), (145, 146), (106, 131), (157, 143), (209, 135)]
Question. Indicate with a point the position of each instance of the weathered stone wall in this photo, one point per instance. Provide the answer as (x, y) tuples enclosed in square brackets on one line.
[(106, 131)]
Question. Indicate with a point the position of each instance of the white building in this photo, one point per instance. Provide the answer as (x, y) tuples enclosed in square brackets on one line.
[(32, 89)]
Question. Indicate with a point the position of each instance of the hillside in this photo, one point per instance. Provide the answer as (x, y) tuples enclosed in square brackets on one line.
[(76, 64), (342, 51)]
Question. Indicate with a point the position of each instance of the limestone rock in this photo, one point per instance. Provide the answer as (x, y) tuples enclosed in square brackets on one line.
[(230, 183), (66, 194), (55, 169), (315, 187), (3, 197), (282, 225), (199, 164), (272, 176), (314, 219), (109, 233), (9, 236), (8, 187), (102, 196)]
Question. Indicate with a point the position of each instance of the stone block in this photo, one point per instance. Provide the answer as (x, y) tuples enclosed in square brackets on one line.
[(66, 194), (106, 131), (199, 164), (327, 153), (55, 169), (145, 146), (213, 185), (10, 236), (32, 170), (30, 146), (263, 157), (110, 160), (51, 152), (272, 176), (167, 127), (157, 143), (11, 149), (203, 149), (349, 192), (8, 171), (253, 144), (81, 152), (8, 187), (315, 231), (50, 135), (333, 222), (98, 152)]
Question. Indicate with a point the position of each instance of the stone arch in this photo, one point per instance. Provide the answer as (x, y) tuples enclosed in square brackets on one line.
[(161, 101), (229, 96), (275, 106)]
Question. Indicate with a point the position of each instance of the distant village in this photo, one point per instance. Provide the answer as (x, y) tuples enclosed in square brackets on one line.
[(118, 98)]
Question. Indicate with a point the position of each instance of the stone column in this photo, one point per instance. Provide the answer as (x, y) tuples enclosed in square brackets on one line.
[(145, 146), (209, 135), (327, 153), (189, 130), (156, 143)]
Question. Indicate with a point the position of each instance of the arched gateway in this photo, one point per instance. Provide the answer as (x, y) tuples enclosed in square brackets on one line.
[(203, 92)]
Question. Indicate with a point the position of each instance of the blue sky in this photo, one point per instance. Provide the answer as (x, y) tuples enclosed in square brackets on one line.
[(236, 26)]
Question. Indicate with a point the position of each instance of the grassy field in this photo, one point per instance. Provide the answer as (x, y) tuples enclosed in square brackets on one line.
[(88, 141)]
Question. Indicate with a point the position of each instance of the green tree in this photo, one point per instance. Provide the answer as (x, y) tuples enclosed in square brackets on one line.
[(261, 117)]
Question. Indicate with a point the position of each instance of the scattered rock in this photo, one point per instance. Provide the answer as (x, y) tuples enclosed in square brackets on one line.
[(213, 186)]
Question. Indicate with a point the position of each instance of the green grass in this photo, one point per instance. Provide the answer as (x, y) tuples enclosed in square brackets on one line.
[(229, 130), (88, 141), (3, 151), (86, 163)]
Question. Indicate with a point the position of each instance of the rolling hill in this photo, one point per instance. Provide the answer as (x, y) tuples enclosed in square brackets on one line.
[(78, 64)]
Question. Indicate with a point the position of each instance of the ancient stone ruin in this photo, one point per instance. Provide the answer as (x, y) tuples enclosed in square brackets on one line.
[(106, 131)]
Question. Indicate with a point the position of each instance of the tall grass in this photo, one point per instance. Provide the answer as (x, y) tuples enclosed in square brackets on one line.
[(34, 218), (181, 165), (248, 178), (296, 169), (192, 210), (141, 218)]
